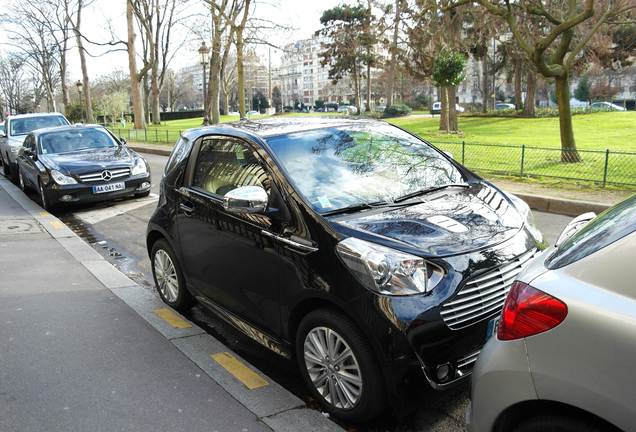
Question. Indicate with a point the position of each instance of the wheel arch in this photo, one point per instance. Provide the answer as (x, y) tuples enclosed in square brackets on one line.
[(525, 410)]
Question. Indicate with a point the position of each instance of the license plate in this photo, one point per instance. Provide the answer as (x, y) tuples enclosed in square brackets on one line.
[(111, 187), (491, 328)]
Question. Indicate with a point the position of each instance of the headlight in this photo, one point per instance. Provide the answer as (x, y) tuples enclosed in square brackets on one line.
[(140, 167), (524, 209), (62, 179), (388, 271)]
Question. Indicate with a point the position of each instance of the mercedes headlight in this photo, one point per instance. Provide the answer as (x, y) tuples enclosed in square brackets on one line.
[(388, 271), (524, 210), (140, 167), (62, 179)]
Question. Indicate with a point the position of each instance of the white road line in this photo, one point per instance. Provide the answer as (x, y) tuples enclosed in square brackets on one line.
[(97, 215)]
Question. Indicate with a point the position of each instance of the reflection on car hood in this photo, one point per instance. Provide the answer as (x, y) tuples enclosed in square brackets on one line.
[(451, 222), (89, 160)]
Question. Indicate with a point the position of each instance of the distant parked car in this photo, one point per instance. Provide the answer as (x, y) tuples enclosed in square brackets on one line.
[(252, 112), (80, 163), (500, 106), (16, 128), (436, 108), (563, 356), (606, 106), (349, 109), (233, 113)]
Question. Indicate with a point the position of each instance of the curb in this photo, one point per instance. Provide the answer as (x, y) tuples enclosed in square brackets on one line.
[(274, 406), (536, 202), (561, 206)]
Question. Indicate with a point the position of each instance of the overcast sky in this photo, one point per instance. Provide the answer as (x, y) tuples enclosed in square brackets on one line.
[(301, 15)]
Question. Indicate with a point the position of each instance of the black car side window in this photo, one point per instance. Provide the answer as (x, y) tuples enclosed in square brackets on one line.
[(226, 164)]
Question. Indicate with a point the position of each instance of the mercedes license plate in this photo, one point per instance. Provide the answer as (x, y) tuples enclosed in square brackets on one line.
[(111, 187)]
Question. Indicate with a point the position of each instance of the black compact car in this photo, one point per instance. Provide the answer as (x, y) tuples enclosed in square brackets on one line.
[(355, 247), (81, 163)]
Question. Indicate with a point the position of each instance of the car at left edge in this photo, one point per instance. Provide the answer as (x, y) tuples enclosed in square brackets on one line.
[(80, 163)]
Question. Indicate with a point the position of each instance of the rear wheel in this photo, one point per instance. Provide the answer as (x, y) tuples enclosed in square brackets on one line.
[(168, 277), (338, 366), (550, 423)]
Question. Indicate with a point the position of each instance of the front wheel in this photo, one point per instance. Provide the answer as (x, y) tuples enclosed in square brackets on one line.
[(45, 201), (339, 367), (169, 280)]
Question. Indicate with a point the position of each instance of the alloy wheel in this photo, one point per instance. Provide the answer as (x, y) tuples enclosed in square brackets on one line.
[(333, 367), (166, 275)]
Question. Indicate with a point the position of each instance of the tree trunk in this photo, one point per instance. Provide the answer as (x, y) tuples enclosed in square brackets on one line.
[(531, 83), (88, 100), (443, 116), (66, 97), (356, 88), (240, 73), (485, 86), (393, 64), (368, 107), (135, 87), (569, 153), (155, 105), (452, 108), (211, 100), (518, 78)]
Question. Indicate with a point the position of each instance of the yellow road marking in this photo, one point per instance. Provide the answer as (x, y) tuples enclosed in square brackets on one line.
[(57, 224), (247, 376), (169, 316)]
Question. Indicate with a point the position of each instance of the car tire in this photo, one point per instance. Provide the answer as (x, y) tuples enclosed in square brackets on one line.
[(44, 201), (21, 181), (168, 277), (549, 423), (368, 397)]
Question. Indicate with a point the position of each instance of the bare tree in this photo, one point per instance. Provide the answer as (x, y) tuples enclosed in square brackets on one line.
[(239, 28), (135, 77)]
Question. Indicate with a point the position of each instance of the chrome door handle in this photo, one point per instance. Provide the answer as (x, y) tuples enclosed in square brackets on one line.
[(294, 244), (186, 209)]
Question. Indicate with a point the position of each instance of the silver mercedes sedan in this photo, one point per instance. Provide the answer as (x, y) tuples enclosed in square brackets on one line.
[(563, 354)]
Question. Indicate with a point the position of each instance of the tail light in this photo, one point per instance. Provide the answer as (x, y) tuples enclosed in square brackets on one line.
[(528, 312)]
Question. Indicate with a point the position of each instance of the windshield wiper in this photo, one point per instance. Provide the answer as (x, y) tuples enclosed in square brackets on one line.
[(354, 208), (429, 190)]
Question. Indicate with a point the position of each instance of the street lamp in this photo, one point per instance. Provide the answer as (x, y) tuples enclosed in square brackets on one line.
[(203, 52), (79, 86)]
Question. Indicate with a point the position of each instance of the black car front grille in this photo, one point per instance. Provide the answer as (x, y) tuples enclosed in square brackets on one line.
[(483, 296)]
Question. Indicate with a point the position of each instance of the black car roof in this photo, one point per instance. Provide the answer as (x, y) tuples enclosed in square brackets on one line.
[(63, 128), (274, 126)]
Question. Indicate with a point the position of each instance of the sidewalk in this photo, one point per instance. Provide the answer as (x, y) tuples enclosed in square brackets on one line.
[(565, 201), (82, 348)]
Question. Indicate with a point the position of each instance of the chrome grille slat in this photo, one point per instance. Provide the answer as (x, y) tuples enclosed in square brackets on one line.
[(483, 297), (497, 287), (468, 360), (97, 176)]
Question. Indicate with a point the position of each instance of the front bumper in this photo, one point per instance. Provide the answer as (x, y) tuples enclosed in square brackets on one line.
[(83, 192), (412, 332)]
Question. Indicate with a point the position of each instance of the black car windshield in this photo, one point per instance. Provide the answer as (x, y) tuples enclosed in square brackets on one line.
[(608, 227), (73, 140), (23, 126), (346, 166)]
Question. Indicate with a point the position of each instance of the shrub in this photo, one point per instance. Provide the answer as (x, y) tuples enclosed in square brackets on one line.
[(397, 110)]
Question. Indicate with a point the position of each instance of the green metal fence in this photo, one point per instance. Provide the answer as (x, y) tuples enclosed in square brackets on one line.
[(602, 167)]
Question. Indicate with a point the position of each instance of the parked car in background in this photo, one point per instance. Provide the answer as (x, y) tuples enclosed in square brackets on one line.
[(367, 270), (252, 112), (16, 128), (69, 164), (436, 108), (1, 129), (606, 106), (499, 106), (349, 109), (563, 355)]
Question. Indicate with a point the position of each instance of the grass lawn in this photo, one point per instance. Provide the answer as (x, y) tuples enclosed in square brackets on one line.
[(494, 145)]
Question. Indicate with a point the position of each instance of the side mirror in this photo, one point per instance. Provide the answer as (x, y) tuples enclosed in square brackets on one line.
[(122, 141), (28, 152), (246, 199), (576, 224)]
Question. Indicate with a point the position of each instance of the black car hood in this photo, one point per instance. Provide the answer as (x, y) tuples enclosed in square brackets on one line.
[(89, 160), (450, 222)]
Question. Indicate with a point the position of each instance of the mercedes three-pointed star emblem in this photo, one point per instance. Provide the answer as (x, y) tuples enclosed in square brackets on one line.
[(106, 175)]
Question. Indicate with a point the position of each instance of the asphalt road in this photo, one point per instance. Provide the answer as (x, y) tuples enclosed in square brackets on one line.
[(117, 231)]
